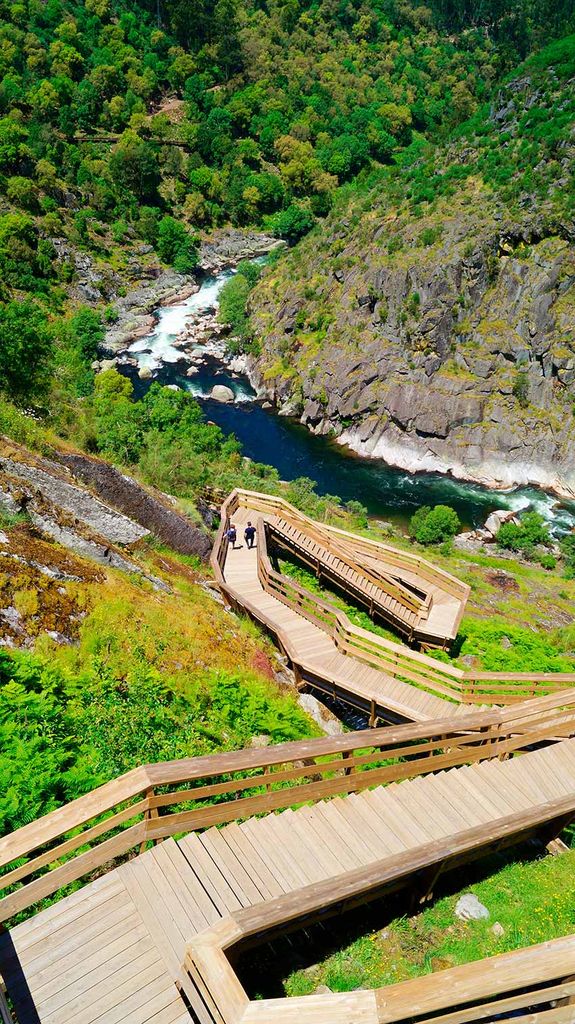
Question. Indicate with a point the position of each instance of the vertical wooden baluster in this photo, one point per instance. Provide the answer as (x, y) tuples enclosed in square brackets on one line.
[(149, 815)]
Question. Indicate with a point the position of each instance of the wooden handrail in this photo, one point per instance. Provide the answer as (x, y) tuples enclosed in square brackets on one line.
[(107, 823), (206, 953), (401, 594), (405, 559), (443, 680)]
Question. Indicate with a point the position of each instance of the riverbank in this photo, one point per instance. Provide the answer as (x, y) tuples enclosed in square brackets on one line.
[(137, 313), (497, 475), (186, 347)]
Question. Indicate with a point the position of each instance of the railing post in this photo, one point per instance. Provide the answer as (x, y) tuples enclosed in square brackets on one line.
[(149, 815), (372, 714)]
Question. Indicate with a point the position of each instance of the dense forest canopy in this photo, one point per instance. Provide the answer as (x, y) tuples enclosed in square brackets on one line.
[(123, 122)]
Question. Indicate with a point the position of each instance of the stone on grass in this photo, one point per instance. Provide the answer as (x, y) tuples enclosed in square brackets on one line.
[(468, 908), (497, 929), (322, 990)]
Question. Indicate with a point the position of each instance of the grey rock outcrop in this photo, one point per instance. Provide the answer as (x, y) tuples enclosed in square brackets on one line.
[(44, 479), (465, 364), (436, 335), (151, 511), (227, 247)]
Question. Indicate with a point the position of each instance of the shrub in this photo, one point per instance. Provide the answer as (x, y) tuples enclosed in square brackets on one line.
[(524, 536), (434, 525), (547, 561), (292, 223), (567, 545), (521, 388)]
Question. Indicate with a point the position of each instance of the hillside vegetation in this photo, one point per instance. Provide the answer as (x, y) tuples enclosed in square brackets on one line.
[(430, 318)]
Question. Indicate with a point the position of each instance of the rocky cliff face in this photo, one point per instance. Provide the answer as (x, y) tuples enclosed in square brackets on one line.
[(440, 337)]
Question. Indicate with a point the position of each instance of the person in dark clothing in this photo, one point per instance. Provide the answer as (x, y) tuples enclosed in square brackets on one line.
[(231, 534), (250, 535)]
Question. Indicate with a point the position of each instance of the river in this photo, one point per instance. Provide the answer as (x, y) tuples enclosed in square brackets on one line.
[(388, 493)]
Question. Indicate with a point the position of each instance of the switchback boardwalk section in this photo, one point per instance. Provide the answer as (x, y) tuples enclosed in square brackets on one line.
[(387, 680)]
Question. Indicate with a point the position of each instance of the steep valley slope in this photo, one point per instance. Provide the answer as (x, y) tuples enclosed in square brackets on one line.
[(430, 320)]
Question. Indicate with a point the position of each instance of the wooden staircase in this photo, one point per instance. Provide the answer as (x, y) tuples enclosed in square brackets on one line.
[(378, 591), (271, 840)]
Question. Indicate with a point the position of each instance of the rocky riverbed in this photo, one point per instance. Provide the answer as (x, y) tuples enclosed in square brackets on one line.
[(136, 312)]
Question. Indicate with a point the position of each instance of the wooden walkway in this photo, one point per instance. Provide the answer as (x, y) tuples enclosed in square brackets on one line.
[(317, 655), (385, 679), (113, 952)]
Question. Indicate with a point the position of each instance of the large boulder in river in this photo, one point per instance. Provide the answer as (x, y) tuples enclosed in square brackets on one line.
[(221, 393)]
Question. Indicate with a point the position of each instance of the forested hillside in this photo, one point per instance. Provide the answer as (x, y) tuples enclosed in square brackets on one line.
[(430, 319), (128, 132)]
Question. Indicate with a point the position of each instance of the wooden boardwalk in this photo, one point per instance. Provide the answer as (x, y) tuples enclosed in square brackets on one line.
[(317, 655), (385, 679), (114, 951)]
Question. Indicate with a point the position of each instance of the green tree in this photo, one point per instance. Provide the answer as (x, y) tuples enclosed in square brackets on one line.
[(176, 245), (118, 418), (434, 525), (26, 349), (134, 166)]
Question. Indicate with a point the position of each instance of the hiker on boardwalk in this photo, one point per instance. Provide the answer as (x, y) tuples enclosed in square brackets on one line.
[(232, 535), (250, 534)]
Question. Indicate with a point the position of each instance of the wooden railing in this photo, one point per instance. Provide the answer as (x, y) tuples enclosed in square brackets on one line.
[(160, 800), (393, 590), (271, 504), (394, 659), (536, 985), (513, 981)]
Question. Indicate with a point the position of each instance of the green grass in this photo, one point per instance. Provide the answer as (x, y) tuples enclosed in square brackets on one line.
[(533, 901), (357, 616)]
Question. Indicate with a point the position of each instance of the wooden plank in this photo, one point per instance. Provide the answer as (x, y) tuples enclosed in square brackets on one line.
[(71, 908), (277, 858), (362, 852), (245, 851), (255, 838), (381, 821), (191, 887), (90, 935), (155, 915), (238, 876), (333, 839), (80, 927), (84, 959), (209, 875), (72, 998), (102, 997), (315, 837), (440, 790)]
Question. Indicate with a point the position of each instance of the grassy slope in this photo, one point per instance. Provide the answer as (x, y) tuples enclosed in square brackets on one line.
[(532, 900)]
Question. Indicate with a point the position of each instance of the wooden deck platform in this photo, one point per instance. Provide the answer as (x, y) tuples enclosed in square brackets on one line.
[(383, 678), (113, 952)]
